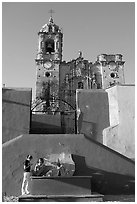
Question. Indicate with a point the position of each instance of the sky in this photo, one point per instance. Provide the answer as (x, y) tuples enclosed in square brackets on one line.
[(92, 27)]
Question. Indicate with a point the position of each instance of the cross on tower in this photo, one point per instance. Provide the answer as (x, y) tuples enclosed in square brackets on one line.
[(51, 12)]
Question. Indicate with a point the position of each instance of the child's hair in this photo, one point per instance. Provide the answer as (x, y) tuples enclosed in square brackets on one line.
[(29, 157), (42, 160)]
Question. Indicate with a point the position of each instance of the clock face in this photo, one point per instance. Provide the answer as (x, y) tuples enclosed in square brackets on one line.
[(47, 65), (112, 65)]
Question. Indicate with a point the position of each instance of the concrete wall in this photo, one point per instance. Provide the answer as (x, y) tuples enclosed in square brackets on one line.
[(88, 155), (15, 112), (120, 136), (107, 116), (94, 113)]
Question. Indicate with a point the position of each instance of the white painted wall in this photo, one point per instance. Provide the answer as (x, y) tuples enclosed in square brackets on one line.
[(108, 116), (120, 136)]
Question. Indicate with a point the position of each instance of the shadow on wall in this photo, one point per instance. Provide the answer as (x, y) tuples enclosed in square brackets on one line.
[(101, 181), (87, 128), (45, 124), (89, 156), (16, 105), (45, 128), (15, 102), (104, 182), (53, 124)]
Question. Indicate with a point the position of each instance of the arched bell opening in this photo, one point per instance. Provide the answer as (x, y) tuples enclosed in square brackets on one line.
[(49, 45)]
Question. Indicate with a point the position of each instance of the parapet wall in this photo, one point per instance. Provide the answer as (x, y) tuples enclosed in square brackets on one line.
[(15, 112), (108, 116), (94, 113), (87, 155), (120, 136)]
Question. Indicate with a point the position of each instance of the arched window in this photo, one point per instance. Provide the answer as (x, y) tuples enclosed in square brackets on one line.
[(49, 44), (50, 28), (42, 44), (80, 85)]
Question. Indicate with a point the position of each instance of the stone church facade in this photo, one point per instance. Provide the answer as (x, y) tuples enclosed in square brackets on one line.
[(58, 80)]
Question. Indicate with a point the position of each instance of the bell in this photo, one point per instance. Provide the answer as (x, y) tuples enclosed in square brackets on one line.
[(49, 46)]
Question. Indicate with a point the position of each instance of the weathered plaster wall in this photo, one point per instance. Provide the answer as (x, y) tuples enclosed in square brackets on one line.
[(87, 154), (15, 112), (107, 116), (94, 112), (120, 136)]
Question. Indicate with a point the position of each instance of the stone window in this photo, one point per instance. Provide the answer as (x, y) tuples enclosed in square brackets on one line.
[(42, 44), (50, 28), (80, 85), (47, 74), (49, 44)]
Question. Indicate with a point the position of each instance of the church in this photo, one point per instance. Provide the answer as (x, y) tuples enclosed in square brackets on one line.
[(58, 80), (83, 115)]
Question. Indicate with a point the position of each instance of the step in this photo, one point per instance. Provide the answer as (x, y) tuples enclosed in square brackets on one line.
[(78, 185), (45, 124), (94, 197)]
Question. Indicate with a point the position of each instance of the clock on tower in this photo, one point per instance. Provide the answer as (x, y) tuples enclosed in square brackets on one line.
[(48, 60), (48, 65)]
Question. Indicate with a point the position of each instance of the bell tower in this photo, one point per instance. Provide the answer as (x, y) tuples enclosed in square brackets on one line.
[(48, 59)]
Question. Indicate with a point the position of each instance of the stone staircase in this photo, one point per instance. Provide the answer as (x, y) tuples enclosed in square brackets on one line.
[(61, 189)]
